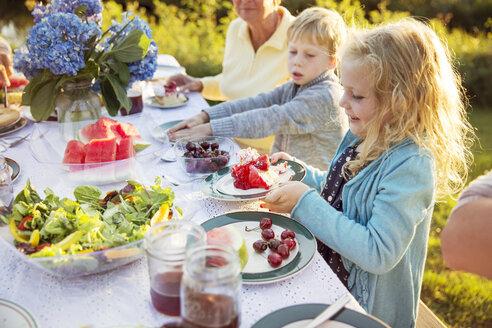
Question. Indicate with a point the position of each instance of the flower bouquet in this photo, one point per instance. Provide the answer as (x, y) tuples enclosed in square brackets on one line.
[(67, 46)]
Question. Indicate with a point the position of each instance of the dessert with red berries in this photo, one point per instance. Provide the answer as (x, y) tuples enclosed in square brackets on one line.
[(169, 95), (255, 171)]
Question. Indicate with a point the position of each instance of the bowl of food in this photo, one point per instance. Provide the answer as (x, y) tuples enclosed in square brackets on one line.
[(106, 151), (96, 232), (204, 155)]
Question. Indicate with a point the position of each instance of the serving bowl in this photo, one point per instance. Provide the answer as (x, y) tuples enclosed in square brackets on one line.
[(71, 266), (204, 155), (48, 146)]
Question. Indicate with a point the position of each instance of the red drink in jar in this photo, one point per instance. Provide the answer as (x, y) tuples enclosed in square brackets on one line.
[(137, 103), (164, 292), (210, 310)]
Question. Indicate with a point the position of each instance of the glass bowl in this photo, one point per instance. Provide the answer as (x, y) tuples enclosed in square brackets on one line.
[(200, 159), (71, 266), (48, 147)]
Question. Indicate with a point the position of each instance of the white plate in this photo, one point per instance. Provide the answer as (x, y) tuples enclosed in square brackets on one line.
[(14, 315), (226, 185), (154, 103), (257, 263), (16, 127)]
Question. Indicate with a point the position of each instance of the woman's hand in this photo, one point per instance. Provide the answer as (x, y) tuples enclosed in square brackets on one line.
[(284, 198), (196, 131), (186, 83), (280, 155), (189, 123), (6, 68)]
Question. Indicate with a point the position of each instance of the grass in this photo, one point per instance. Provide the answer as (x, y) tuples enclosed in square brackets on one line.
[(457, 298)]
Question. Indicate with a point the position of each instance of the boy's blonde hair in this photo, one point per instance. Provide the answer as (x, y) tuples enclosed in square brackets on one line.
[(418, 94), (325, 27)]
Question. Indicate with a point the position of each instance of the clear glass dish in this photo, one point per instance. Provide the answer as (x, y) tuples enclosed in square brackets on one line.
[(48, 147), (71, 266), (205, 165)]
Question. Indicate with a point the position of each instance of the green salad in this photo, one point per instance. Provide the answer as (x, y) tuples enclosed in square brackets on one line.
[(94, 221)]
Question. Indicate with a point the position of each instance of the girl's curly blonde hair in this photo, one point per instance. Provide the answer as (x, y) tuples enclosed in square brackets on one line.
[(419, 95)]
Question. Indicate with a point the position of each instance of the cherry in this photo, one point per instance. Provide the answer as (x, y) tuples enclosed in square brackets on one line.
[(291, 243), (260, 246), (287, 234), (205, 145), (190, 146), (267, 234), (265, 223), (274, 259), (283, 250), (214, 146), (273, 244)]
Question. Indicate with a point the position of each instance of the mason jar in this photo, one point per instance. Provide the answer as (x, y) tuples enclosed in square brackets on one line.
[(211, 287), (76, 106)]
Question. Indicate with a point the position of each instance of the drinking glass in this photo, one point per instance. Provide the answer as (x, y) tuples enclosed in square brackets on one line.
[(165, 245), (211, 287)]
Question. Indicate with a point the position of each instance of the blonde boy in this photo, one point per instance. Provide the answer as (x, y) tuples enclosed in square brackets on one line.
[(303, 114)]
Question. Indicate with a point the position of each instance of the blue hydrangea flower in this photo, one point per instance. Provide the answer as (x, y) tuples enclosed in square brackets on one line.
[(142, 69), (93, 12), (58, 43), (24, 64)]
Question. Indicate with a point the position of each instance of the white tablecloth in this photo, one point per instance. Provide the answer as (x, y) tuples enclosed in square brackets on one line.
[(122, 296)]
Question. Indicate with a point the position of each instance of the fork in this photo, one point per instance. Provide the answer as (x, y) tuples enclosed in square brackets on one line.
[(5, 144)]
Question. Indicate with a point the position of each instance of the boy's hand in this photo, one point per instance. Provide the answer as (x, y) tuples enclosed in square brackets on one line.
[(284, 198), (280, 155), (196, 131), (189, 123)]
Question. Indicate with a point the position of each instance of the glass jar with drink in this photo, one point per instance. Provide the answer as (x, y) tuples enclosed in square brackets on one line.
[(211, 287), (165, 245), (134, 93)]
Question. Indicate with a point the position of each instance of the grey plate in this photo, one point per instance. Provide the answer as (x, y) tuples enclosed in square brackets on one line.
[(306, 243), (14, 166), (291, 314), (153, 103), (208, 185), (157, 131)]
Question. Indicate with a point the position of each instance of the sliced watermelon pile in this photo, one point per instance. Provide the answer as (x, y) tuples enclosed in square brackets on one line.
[(105, 140)]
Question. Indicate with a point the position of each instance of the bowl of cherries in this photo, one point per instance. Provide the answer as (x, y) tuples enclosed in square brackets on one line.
[(203, 155)]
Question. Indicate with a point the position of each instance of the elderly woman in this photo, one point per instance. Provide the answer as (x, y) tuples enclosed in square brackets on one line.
[(255, 57)]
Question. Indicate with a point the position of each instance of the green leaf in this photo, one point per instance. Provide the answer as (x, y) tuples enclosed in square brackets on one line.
[(80, 11), (121, 69), (43, 101), (132, 48), (109, 98), (119, 92), (34, 86)]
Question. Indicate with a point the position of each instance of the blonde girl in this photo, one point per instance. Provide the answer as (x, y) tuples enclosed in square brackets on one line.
[(407, 144)]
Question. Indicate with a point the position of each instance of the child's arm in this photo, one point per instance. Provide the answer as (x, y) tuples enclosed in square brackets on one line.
[(403, 200), (261, 100), (308, 112)]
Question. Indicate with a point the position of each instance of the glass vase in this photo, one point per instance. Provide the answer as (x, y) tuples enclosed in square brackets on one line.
[(77, 106)]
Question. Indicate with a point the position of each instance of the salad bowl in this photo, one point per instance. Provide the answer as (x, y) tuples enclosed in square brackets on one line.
[(97, 232)]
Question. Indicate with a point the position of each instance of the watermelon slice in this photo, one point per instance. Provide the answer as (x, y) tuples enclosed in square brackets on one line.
[(125, 149), (125, 130), (101, 129), (74, 153), (231, 235), (100, 150)]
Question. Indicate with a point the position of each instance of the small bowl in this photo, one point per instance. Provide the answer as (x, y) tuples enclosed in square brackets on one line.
[(204, 165)]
